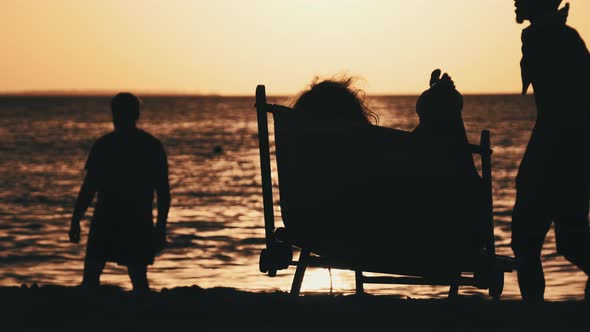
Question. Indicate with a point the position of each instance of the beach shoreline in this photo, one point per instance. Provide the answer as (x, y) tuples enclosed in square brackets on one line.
[(231, 309)]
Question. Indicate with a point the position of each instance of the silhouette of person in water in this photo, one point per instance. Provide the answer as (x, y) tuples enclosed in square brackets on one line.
[(124, 167), (553, 180)]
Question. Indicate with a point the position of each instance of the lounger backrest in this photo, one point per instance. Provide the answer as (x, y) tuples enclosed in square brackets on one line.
[(340, 176)]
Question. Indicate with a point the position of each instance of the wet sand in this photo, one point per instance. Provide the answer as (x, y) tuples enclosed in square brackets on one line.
[(226, 309)]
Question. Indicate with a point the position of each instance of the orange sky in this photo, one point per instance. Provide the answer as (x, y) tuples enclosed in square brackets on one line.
[(229, 46)]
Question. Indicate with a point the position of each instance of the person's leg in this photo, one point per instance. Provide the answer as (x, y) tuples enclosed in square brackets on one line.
[(138, 276), (96, 257), (573, 241), (529, 228), (571, 227), (92, 270), (573, 235)]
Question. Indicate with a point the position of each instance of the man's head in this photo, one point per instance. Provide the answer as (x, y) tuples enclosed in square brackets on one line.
[(125, 107), (527, 10)]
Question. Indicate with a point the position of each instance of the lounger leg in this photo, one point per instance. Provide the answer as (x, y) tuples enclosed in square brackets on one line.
[(299, 273), (360, 290), (454, 290)]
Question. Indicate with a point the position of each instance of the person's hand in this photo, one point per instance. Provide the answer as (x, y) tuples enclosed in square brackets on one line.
[(74, 232)]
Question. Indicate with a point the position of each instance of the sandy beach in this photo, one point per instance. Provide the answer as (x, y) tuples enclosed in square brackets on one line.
[(224, 309)]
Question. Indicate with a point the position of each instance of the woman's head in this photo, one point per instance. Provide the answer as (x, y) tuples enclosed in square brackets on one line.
[(335, 99)]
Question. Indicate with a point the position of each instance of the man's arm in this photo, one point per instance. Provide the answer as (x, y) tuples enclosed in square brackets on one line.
[(162, 187), (163, 197), (83, 200)]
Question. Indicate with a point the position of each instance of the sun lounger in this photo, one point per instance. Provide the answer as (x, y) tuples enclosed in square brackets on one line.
[(316, 208)]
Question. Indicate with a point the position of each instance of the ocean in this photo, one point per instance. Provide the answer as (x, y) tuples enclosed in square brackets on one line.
[(216, 227)]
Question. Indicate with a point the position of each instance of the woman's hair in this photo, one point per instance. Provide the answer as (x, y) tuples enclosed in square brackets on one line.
[(336, 99)]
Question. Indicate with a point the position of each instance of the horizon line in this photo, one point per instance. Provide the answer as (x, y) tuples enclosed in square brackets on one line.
[(172, 93)]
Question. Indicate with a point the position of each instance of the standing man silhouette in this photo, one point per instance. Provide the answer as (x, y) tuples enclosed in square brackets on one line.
[(553, 181), (124, 167)]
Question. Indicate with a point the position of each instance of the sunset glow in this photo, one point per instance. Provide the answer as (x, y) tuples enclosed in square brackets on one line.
[(228, 46)]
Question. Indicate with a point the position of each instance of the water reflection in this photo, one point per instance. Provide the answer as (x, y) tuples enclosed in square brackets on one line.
[(215, 225)]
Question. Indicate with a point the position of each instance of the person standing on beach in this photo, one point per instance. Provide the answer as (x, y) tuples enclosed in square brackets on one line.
[(553, 181), (124, 168)]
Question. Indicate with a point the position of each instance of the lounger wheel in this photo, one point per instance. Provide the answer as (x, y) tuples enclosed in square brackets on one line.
[(496, 284), (276, 257), (265, 263)]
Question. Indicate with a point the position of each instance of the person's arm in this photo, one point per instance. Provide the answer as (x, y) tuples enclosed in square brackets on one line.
[(162, 187), (83, 200), (163, 201)]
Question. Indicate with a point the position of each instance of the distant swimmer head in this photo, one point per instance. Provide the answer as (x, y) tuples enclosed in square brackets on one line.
[(442, 101), (527, 10), (335, 99), (125, 107)]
